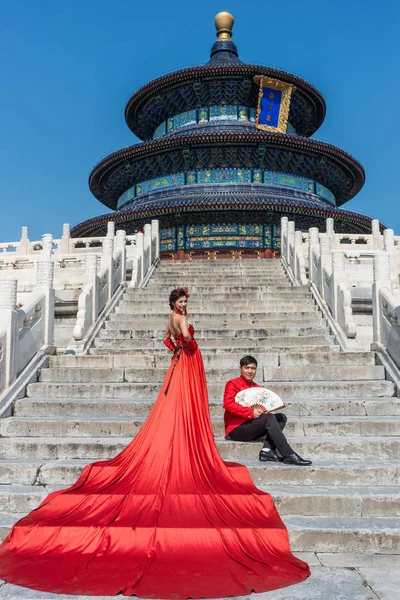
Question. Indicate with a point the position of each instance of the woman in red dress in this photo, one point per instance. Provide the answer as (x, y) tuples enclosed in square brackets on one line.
[(166, 518)]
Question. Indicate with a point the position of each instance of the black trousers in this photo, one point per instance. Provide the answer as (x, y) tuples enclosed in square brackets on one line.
[(269, 427)]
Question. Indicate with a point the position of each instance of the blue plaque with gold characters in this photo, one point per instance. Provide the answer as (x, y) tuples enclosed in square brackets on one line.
[(273, 104)]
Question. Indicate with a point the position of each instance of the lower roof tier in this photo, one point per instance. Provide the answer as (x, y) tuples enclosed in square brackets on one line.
[(319, 161), (232, 204)]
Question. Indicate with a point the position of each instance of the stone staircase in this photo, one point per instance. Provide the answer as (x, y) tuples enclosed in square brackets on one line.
[(342, 412)]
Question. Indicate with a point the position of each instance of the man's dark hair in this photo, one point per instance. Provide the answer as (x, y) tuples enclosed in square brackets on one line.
[(248, 360)]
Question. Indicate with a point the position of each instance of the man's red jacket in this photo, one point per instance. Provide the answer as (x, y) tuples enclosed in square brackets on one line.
[(235, 414)]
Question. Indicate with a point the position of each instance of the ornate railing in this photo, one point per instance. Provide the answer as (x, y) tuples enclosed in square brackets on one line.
[(341, 269), (100, 274)]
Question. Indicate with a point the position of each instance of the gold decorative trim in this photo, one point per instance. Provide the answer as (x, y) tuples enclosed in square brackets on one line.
[(287, 89)]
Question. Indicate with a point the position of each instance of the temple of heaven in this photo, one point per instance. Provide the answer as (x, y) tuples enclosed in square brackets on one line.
[(226, 151)]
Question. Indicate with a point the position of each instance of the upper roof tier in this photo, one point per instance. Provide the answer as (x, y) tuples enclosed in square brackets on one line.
[(224, 79)]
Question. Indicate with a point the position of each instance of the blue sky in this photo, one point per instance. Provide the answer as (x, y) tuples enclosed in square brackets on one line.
[(68, 69)]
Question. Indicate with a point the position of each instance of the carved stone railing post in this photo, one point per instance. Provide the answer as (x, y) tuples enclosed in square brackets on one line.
[(300, 269), (376, 235), (111, 229), (155, 236), (24, 246), (9, 327), (107, 262), (92, 280), (140, 254), (120, 244), (330, 231), (284, 231), (147, 247), (137, 261), (381, 270), (313, 246), (45, 283), (338, 275), (325, 262), (64, 245), (390, 248), (290, 245)]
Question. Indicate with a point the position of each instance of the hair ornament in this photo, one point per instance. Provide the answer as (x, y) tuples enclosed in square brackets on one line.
[(184, 292)]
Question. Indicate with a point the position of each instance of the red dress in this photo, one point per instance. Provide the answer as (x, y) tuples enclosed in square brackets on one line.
[(166, 518)]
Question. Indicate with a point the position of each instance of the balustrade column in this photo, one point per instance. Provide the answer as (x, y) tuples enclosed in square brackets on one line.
[(9, 327), (390, 248), (107, 262), (381, 273), (147, 247), (376, 235), (290, 245), (140, 256), (24, 243), (330, 231), (110, 229), (155, 236), (120, 244), (338, 275), (299, 272), (313, 246), (92, 280), (325, 261), (284, 231), (45, 284), (64, 245)]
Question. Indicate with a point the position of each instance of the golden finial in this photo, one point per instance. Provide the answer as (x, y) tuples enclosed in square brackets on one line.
[(223, 23)]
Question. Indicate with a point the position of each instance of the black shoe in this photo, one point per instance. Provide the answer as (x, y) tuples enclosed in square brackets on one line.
[(268, 456), (295, 459)]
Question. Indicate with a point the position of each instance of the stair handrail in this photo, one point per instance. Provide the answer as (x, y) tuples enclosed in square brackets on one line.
[(26, 330)]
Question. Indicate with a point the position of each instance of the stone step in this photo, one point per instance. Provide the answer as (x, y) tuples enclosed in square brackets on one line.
[(214, 334), (220, 349), (143, 375), (96, 427), (212, 322), (307, 501), (256, 344), (235, 285), (286, 390), (327, 358), (21, 498), (335, 472), (203, 273), (215, 359), (220, 308), (97, 407), (189, 282), (246, 317), (215, 266), (321, 447), (311, 534), (232, 291), (349, 534), (240, 300)]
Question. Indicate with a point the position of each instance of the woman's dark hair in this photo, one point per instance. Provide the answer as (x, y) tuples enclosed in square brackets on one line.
[(248, 360), (175, 295)]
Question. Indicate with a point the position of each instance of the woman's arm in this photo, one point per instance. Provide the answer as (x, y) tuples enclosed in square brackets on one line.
[(167, 333), (167, 339)]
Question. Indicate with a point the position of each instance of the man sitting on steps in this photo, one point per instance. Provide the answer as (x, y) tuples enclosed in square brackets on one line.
[(245, 424)]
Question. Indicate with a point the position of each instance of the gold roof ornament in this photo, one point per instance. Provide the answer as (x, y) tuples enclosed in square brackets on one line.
[(223, 24)]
